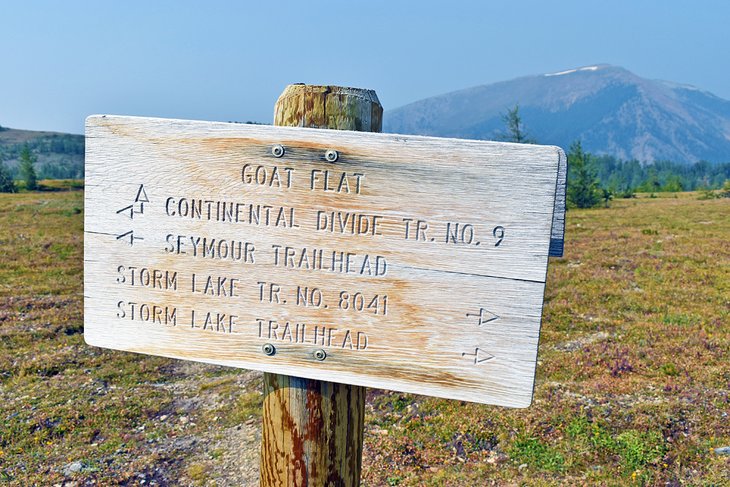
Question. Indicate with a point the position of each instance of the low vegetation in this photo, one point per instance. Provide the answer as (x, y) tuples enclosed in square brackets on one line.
[(632, 387)]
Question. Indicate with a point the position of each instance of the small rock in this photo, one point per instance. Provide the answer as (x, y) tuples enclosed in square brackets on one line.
[(497, 458), (163, 417), (72, 468), (723, 450), (522, 467)]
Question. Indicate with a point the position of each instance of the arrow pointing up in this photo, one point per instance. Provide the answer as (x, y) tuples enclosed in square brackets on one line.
[(141, 195)]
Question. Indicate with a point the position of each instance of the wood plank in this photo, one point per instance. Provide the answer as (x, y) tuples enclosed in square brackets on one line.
[(557, 236), (426, 307)]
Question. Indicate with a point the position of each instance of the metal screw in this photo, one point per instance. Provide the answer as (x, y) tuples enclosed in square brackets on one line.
[(277, 150), (320, 355), (331, 155), (269, 349)]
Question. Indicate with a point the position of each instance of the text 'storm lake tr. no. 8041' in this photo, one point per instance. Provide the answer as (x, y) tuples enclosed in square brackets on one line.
[(409, 263)]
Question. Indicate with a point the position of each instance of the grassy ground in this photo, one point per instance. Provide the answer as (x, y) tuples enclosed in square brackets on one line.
[(633, 379)]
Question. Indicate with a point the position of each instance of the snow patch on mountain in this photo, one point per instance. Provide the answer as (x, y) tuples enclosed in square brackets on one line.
[(561, 73)]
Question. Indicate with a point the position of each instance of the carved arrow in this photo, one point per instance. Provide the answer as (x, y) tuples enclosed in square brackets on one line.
[(484, 316), (141, 195), (130, 235), (132, 211), (480, 356)]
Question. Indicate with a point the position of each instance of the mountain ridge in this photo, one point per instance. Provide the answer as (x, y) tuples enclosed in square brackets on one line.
[(610, 109)]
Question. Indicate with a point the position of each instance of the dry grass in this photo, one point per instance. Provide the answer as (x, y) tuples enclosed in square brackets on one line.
[(632, 382), (126, 418), (633, 376)]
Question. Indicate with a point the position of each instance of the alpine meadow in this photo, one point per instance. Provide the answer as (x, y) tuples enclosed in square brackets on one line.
[(632, 384)]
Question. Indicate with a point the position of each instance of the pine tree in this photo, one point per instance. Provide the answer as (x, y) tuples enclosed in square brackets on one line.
[(515, 128), (26, 169), (7, 185), (583, 189)]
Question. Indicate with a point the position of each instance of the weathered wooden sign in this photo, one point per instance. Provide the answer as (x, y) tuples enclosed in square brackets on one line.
[(400, 262)]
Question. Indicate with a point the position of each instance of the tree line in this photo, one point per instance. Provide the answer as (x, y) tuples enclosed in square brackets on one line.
[(592, 179), (54, 156), (26, 170), (596, 179)]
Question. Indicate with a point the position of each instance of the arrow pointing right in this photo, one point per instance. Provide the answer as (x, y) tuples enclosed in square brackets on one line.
[(480, 356), (484, 316)]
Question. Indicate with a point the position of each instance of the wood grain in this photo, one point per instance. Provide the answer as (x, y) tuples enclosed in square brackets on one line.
[(462, 320)]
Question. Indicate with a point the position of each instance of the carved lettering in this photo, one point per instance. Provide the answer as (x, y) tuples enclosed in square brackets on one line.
[(145, 277), (309, 297), (214, 285), (415, 229), (348, 223), (335, 182), (270, 292), (211, 248), (329, 260), (213, 321), (460, 233), (148, 313), (317, 335), (232, 212), (270, 176)]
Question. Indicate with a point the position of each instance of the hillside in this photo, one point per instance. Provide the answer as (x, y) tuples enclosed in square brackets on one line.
[(59, 155), (611, 110)]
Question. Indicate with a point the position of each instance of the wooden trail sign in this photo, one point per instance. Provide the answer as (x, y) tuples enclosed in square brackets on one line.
[(399, 262)]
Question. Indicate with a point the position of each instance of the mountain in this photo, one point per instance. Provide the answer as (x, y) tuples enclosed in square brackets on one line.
[(59, 155), (609, 109)]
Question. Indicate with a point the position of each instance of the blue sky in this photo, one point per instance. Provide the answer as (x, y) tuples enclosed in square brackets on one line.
[(226, 60)]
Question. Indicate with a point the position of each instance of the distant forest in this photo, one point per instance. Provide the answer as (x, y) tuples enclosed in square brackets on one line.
[(60, 156), (625, 177)]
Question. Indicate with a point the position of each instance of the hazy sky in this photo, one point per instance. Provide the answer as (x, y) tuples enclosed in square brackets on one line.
[(223, 60)]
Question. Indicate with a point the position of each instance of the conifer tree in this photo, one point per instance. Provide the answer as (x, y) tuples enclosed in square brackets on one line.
[(583, 189), (7, 185), (515, 128), (27, 171)]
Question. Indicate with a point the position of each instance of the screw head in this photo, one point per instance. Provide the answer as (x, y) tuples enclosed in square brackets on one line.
[(269, 349), (320, 355), (278, 150), (331, 155)]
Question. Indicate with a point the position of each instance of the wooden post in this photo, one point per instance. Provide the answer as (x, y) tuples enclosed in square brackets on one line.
[(313, 430)]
